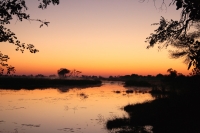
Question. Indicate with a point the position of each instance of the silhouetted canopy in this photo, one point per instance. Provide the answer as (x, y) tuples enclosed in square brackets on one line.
[(62, 72), (10, 9), (183, 34)]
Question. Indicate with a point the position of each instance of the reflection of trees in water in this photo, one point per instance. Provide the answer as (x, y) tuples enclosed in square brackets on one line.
[(64, 89)]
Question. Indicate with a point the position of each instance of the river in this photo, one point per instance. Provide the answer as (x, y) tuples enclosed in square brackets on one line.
[(61, 110)]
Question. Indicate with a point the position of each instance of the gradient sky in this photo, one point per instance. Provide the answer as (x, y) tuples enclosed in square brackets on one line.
[(96, 37)]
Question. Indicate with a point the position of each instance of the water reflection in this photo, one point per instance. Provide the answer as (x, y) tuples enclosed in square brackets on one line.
[(64, 109), (64, 89)]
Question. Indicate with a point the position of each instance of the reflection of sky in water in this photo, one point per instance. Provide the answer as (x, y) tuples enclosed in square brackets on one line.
[(77, 110)]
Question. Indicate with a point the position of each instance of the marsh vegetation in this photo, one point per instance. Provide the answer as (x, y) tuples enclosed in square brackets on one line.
[(175, 109), (32, 83)]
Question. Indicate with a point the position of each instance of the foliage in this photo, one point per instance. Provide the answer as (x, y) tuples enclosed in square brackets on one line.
[(138, 83), (17, 8), (172, 73), (74, 73), (3, 60), (62, 72), (182, 34)]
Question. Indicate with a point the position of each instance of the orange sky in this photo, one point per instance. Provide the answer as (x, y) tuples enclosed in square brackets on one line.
[(97, 37)]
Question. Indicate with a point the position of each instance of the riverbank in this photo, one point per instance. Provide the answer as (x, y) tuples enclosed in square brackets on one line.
[(177, 112), (31, 83)]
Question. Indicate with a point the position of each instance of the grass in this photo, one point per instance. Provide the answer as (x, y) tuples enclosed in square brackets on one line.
[(166, 115), (32, 83), (178, 112), (139, 83)]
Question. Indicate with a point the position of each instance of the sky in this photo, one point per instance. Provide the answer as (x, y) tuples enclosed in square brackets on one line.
[(96, 37)]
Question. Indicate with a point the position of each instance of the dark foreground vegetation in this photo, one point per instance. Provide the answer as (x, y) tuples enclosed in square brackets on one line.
[(178, 112), (33, 83), (139, 83)]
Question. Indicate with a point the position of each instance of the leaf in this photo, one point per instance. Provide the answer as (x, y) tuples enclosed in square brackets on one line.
[(178, 5), (46, 23), (190, 65), (41, 25)]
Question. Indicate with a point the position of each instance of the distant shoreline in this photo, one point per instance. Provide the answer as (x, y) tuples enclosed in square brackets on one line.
[(32, 83)]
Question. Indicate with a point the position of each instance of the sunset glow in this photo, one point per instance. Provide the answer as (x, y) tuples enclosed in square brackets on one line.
[(96, 37)]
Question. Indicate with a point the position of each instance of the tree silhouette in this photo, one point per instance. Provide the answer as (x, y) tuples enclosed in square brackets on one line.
[(183, 34), (17, 8), (172, 73), (3, 60), (74, 73), (62, 72)]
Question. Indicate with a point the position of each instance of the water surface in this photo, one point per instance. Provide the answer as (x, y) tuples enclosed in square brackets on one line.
[(73, 110)]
